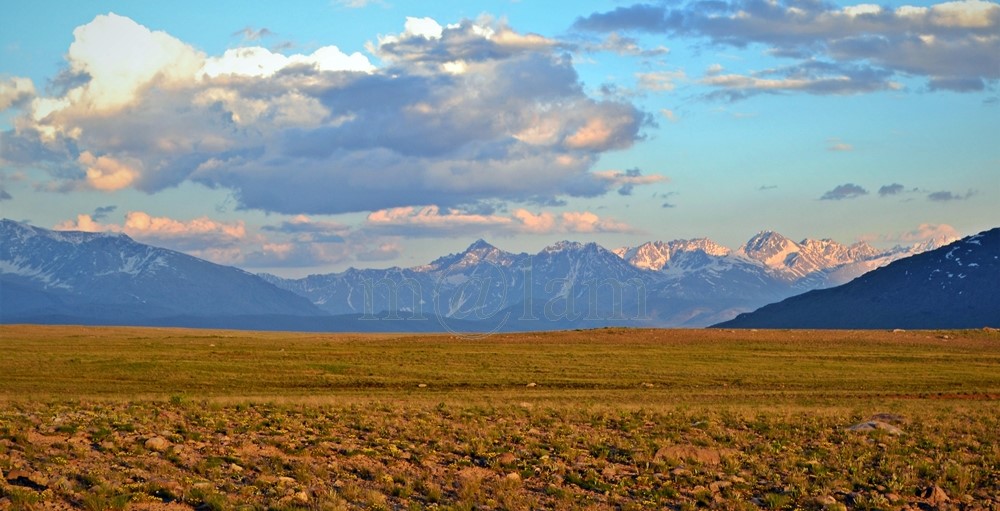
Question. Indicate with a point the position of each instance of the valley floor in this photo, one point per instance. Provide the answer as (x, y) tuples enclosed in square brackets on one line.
[(136, 418)]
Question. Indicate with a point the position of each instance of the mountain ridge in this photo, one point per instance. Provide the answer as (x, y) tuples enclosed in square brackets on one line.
[(567, 284), (933, 289)]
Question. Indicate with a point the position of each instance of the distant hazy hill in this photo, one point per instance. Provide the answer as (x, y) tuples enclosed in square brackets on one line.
[(955, 286)]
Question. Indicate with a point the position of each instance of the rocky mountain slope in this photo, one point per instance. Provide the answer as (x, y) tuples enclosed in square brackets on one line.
[(954, 286), (110, 277)]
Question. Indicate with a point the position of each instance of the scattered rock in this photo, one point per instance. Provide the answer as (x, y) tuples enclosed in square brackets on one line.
[(898, 330), (157, 443), (934, 495), (422, 386), (34, 480), (679, 472), (532, 384), (235, 468), (876, 425), (825, 500), (945, 337), (892, 498), (648, 385), (507, 459), (301, 497), (703, 455), (514, 477), (718, 486)]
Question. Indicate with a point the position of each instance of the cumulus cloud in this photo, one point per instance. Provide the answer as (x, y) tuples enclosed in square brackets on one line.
[(626, 181), (812, 77), (625, 46), (938, 233), (927, 232), (947, 196), (189, 235), (433, 221), (456, 115), (844, 191), (669, 115), (893, 189), (102, 212), (837, 145), (250, 34), (954, 45), (15, 92), (106, 173), (659, 81)]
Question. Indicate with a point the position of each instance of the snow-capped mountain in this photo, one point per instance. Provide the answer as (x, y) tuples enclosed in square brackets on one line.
[(110, 276), (654, 255), (693, 282), (950, 287), (696, 282)]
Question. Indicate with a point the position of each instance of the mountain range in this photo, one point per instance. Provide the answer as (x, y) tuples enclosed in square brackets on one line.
[(955, 286), (96, 278)]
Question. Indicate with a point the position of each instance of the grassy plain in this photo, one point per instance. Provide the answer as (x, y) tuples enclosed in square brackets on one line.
[(140, 418)]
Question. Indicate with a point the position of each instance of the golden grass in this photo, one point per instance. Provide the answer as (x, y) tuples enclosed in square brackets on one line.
[(616, 419)]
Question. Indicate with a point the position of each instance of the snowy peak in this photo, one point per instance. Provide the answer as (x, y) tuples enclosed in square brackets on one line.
[(655, 255), (14, 232), (111, 277), (770, 248), (948, 287), (478, 252)]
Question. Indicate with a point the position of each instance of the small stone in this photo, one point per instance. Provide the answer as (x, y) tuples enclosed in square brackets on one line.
[(507, 459), (422, 386), (876, 425), (825, 500), (892, 498), (934, 495), (898, 330), (531, 385), (34, 480), (514, 477), (647, 385), (301, 497), (283, 480), (718, 486), (235, 468), (157, 443)]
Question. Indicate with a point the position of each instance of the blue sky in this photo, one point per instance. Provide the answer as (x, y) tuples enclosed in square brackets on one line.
[(313, 136)]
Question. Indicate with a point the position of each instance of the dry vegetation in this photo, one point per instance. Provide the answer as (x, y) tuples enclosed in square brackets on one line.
[(128, 418)]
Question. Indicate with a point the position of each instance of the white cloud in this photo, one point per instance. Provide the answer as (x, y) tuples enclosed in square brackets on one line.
[(926, 232), (433, 221), (106, 173), (260, 62), (659, 81), (838, 145), (955, 45), (459, 114), (121, 56)]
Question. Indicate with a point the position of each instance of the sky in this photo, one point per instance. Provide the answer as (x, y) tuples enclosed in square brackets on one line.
[(309, 137)]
